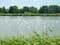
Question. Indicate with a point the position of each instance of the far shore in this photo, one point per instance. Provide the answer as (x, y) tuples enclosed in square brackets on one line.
[(30, 14)]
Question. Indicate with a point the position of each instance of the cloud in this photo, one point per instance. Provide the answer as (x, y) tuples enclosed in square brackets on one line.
[(21, 3)]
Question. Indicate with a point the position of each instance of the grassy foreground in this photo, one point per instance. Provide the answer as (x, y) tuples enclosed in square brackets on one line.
[(35, 39)]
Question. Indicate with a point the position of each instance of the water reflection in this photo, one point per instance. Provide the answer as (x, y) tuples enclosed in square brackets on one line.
[(15, 25)]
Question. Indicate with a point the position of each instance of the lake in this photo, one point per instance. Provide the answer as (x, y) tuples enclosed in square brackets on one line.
[(14, 25)]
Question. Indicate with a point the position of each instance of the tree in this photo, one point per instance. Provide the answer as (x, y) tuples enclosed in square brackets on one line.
[(33, 9), (54, 9), (1, 11), (20, 11), (43, 9), (26, 9), (59, 9), (4, 10), (13, 9)]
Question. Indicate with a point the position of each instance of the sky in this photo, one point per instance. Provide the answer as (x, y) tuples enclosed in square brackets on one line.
[(22, 3)]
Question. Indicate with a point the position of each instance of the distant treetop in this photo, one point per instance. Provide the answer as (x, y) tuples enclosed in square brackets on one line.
[(32, 9)]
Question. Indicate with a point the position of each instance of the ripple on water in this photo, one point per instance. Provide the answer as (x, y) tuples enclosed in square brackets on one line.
[(28, 27), (22, 23), (6, 21), (2, 23), (56, 21), (44, 26)]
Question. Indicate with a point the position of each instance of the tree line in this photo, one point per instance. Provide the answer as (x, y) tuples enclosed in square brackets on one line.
[(43, 9)]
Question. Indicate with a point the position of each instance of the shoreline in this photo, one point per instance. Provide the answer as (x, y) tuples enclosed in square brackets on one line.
[(30, 14)]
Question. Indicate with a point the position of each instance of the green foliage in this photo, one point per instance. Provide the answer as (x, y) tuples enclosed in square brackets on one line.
[(29, 14), (33, 11), (26, 9), (44, 9), (1, 10), (30, 9), (13, 9), (54, 9), (20, 11), (4, 10), (35, 39)]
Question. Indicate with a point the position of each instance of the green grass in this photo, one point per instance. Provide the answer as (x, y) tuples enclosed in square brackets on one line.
[(35, 39), (30, 14)]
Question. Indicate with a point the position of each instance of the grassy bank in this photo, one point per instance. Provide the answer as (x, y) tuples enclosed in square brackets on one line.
[(31, 14), (35, 39)]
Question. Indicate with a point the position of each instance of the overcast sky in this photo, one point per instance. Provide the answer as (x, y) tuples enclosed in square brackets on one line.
[(21, 3)]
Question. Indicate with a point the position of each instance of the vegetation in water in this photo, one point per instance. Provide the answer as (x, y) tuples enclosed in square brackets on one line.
[(35, 39)]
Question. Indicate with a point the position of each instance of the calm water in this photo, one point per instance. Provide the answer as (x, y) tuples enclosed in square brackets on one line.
[(10, 25)]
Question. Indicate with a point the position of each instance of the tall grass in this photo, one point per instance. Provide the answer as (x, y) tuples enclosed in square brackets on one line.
[(35, 39)]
